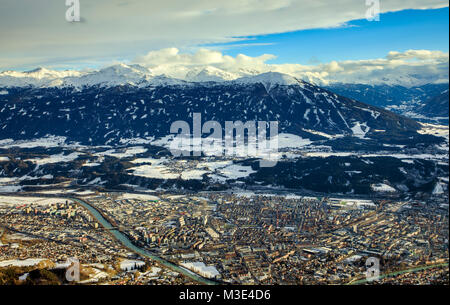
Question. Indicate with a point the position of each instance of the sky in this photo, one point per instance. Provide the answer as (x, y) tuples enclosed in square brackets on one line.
[(318, 37), (358, 39)]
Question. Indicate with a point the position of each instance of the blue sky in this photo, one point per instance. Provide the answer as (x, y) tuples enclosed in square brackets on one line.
[(359, 39), (309, 31)]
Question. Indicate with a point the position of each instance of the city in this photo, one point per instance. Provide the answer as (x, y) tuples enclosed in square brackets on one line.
[(236, 238), (238, 151)]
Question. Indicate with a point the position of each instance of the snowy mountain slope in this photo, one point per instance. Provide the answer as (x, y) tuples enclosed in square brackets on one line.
[(209, 74), (387, 85), (120, 74), (437, 106), (40, 73), (386, 95), (39, 77), (110, 76), (409, 102), (269, 79), (100, 115)]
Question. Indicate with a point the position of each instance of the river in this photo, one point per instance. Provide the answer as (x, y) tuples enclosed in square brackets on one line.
[(144, 253)]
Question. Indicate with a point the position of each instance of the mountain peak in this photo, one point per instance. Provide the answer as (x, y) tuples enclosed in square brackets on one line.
[(122, 68), (269, 79), (209, 74)]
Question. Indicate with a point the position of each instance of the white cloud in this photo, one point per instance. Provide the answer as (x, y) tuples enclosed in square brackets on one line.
[(36, 31), (409, 68), (175, 64), (412, 67), (417, 54)]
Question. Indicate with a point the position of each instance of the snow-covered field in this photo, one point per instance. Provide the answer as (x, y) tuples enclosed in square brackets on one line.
[(281, 141), (323, 134), (137, 196), (353, 202), (49, 141), (91, 164), (127, 265), (233, 171), (156, 170), (56, 158), (21, 263), (152, 273), (218, 169), (435, 130), (123, 153), (95, 276), (411, 157), (202, 269), (360, 130), (194, 174), (66, 191), (5, 180), (10, 188), (382, 187), (17, 201), (165, 169)]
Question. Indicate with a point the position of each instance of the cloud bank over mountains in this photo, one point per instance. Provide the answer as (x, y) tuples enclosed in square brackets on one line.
[(409, 68)]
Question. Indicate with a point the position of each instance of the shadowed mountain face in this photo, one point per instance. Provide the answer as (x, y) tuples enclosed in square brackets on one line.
[(99, 115), (425, 103), (121, 115), (387, 95), (436, 106)]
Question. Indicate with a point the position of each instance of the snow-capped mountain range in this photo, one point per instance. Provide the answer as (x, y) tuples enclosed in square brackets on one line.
[(106, 114), (131, 101), (427, 103), (133, 74), (122, 74)]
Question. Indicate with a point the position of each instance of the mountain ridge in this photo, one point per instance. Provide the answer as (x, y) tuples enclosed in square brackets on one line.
[(134, 74), (108, 114)]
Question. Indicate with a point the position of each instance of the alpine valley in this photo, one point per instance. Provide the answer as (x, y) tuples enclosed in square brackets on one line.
[(110, 129)]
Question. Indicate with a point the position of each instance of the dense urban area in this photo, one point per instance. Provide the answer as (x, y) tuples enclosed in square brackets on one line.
[(224, 237)]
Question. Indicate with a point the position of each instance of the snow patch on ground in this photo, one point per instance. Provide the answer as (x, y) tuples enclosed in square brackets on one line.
[(21, 263), (156, 170), (323, 134), (194, 174), (360, 130), (128, 152), (55, 159), (233, 171), (128, 265), (382, 187), (137, 197), (202, 269), (48, 142), (439, 188), (18, 201)]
